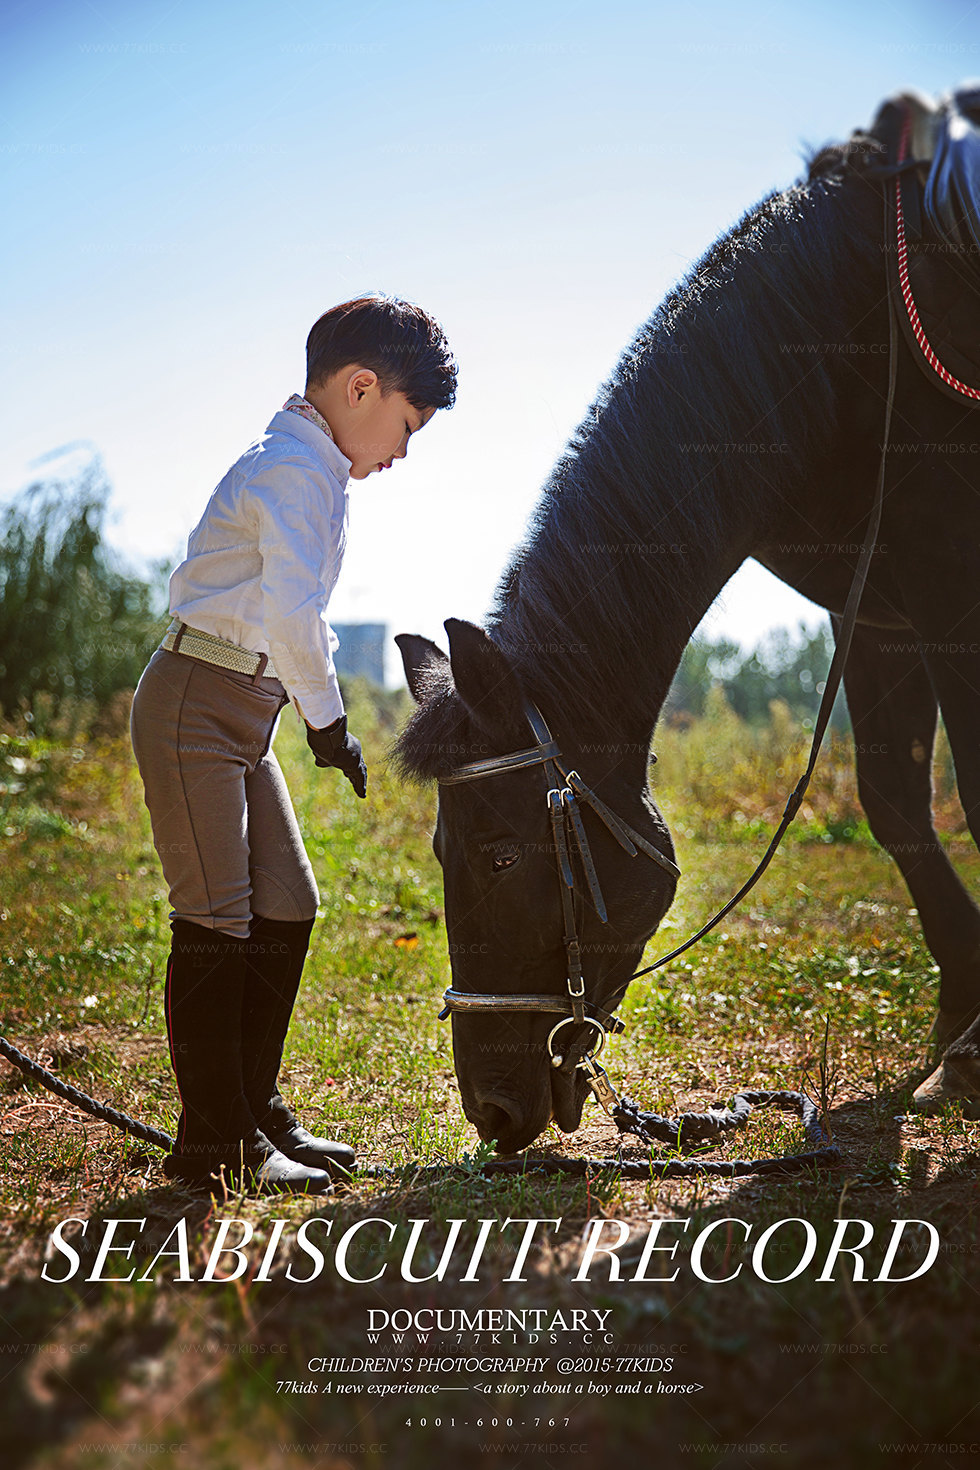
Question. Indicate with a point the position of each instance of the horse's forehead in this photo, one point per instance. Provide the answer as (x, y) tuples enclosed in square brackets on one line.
[(476, 803), (511, 804)]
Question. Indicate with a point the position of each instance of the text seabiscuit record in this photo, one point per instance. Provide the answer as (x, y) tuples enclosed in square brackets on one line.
[(612, 1251)]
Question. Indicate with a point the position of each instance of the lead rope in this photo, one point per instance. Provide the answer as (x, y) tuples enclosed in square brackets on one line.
[(81, 1100)]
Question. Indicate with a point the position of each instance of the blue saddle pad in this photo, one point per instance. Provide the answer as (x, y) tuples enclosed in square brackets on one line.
[(952, 193)]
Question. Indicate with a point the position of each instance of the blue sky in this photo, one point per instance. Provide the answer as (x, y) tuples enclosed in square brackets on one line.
[(189, 185)]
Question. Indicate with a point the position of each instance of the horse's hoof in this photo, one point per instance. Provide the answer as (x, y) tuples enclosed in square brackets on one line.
[(954, 1080)]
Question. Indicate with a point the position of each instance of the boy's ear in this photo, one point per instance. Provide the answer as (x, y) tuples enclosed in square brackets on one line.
[(361, 381), (421, 658)]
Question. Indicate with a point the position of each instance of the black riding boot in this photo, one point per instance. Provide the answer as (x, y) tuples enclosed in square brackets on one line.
[(275, 954), (217, 1129)]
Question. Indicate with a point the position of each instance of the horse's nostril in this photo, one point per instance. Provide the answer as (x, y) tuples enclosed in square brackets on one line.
[(497, 1118)]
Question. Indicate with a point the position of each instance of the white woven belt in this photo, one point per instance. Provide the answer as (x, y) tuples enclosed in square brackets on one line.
[(216, 651)]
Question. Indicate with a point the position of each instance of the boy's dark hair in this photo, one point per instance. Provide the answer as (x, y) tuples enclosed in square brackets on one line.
[(399, 341)]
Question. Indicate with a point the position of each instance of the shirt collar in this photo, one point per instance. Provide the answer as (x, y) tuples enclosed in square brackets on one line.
[(301, 426), (296, 403)]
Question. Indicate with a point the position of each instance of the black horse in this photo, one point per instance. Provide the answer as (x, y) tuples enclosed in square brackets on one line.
[(745, 419)]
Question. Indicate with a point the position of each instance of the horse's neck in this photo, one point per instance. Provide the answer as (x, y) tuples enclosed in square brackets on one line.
[(615, 671), (618, 744), (661, 497)]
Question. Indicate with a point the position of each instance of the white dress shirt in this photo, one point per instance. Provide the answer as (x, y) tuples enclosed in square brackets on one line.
[(264, 558)]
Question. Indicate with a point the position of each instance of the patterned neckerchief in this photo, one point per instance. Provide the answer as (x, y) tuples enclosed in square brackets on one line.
[(298, 404)]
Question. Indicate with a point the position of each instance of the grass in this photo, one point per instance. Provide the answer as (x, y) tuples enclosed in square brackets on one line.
[(823, 974)]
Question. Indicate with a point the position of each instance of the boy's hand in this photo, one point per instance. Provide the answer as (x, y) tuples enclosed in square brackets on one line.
[(334, 747)]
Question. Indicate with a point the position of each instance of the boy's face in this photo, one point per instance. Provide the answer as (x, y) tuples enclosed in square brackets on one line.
[(372, 428)]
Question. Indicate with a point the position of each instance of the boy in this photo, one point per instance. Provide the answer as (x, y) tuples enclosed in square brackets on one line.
[(249, 635)]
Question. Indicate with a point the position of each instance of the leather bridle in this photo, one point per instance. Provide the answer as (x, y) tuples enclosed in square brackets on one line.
[(566, 790)]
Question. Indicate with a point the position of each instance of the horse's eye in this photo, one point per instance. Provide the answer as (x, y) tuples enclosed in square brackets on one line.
[(506, 858)]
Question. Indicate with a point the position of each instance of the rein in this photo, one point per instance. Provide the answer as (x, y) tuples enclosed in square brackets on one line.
[(566, 790)]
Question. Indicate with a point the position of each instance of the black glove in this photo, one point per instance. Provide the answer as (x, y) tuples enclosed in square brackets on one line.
[(334, 747)]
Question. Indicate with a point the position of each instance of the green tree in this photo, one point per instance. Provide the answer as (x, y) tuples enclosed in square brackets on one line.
[(791, 667), (703, 665)]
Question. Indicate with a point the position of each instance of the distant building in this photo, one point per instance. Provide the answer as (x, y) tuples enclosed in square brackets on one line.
[(362, 651)]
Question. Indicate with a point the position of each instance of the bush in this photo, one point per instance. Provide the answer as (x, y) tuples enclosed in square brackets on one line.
[(75, 626), (719, 775)]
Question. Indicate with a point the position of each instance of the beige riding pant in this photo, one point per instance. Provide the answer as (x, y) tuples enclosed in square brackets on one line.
[(223, 824)]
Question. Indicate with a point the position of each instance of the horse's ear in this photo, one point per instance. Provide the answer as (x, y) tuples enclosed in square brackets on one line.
[(485, 681), (421, 657)]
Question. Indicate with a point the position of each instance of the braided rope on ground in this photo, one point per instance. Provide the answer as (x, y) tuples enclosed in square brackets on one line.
[(81, 1100), (679, 1132)]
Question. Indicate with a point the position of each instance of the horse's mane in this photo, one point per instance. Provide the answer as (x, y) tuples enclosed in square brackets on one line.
[(718, 362)]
